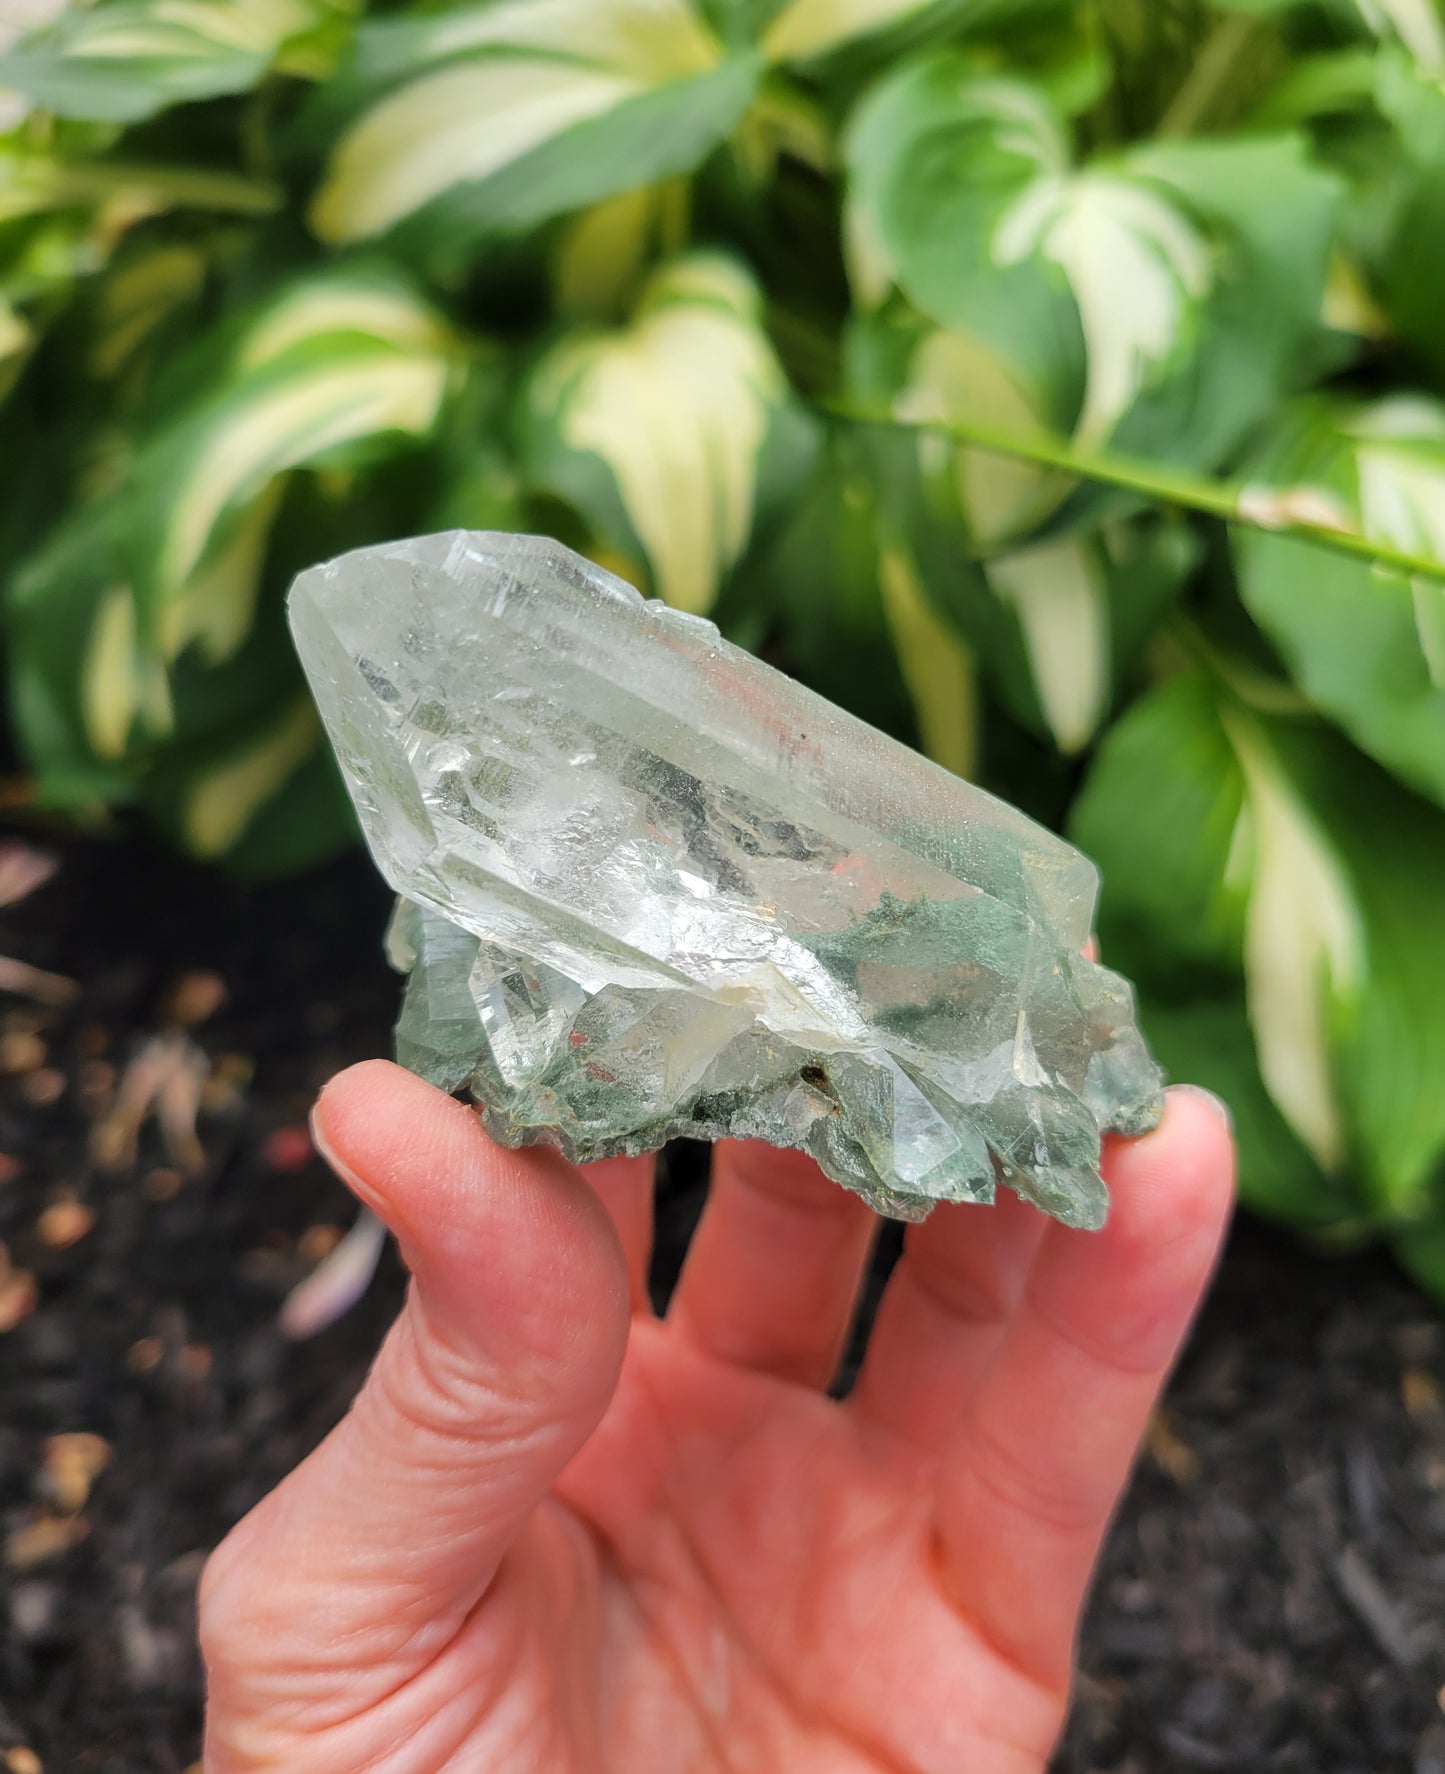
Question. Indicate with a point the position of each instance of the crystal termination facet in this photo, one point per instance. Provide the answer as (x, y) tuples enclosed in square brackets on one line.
[(651, 887)]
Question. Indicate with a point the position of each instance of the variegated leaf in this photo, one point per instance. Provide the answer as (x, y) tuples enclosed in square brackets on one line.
[(1137, 268), (335, 362), (805, 30), (225, 798), (137, 298), (1237, 845), (1061, 596), (676, 408), (603, 252), (956, 379), (1157, 300), (491, 106), (125, 61), (1303, 946), (16, 338), (1368, 646), (1418, 24), (937, 666)]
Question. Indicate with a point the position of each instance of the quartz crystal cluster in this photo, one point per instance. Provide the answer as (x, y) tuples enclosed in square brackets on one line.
[(651, 887)]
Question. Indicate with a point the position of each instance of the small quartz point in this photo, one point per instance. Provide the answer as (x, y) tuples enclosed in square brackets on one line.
[(651, 887)]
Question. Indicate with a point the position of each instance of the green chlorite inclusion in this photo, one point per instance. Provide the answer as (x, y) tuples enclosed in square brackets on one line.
[(651, 887)]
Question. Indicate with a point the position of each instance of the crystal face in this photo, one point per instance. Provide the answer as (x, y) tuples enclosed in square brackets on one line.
[(651, 887)]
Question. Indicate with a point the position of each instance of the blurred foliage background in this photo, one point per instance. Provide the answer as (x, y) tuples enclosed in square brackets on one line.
[(1059, 384)]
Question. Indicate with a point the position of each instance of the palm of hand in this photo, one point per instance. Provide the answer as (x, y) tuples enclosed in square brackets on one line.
[(745, 1578), (730, 1571)]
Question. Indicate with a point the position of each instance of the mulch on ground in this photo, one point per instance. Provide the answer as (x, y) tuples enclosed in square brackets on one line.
[(1273, 1596)]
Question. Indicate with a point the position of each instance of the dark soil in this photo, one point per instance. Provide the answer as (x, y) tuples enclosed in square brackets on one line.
[(1273, 1596)]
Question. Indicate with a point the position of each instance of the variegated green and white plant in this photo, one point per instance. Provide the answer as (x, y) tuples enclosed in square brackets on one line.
[(1059, 383)]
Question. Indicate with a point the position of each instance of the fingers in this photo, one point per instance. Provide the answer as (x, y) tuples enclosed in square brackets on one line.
[(500, 1366), (1030, 1479), (626, 1187), (775, 1265), (947, 1305)]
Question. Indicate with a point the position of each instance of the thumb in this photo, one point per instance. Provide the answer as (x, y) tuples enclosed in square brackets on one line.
[(498, 1369)]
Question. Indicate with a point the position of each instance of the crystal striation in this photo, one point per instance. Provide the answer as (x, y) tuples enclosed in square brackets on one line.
[(651, 887)]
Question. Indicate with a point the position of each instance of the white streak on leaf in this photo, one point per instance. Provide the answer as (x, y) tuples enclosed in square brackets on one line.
[(1136, 266), (1061, 597), (109, 686), (809, 27), (870, 269), (330, 306), (1416, 23), (658, 40), (937, 667), (603, 252), (284, 425), (1303, 945), (461, 123), (218, 606), (957, 379), (1400, 459), (678, 406), (223, 801), (566, 61)]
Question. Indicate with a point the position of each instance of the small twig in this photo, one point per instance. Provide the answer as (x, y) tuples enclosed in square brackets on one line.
[(22, 870), (164, 1078), (1217, 60), (33, 982), (1364, 1592)]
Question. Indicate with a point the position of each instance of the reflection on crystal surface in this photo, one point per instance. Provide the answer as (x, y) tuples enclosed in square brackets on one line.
[(652, 887)]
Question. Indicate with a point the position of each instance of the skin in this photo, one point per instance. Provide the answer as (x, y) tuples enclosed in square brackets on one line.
[(556, 1535)]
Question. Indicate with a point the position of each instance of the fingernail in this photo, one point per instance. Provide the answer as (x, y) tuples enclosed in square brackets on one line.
[(361, 1190), (1216, 1103)]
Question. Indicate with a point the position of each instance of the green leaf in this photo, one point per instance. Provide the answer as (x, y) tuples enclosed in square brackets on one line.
[(1159, 814), (508, 114), (656, 431), (307, 820), (1239, 847), (224, 798), (16, 339), (1421, 1250), (1161, 299), (127, 60), (1207, 1041), (1367, 647), (33, 184), (1057, 612), (1402, 200), (937, 667), (804, 30), (138, 297), (163, 576), (937, 155), (1417, 24), (337, 363), (1060, 593), (1303, 942), (815, 586)]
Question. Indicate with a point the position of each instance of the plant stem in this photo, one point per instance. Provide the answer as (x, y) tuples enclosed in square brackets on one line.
[(1271, 509), (1209, 76)]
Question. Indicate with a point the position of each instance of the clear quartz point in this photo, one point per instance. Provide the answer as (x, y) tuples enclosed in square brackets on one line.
[(651, 887)]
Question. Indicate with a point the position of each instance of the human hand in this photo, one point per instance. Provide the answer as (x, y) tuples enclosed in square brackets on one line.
[(555, 1534)]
